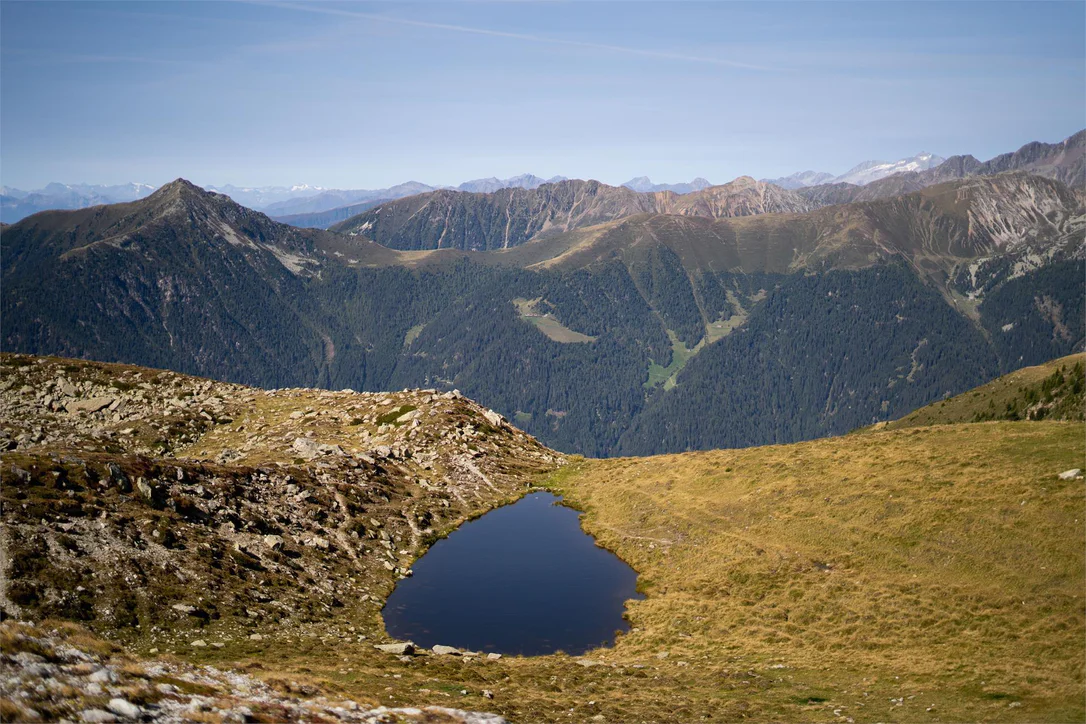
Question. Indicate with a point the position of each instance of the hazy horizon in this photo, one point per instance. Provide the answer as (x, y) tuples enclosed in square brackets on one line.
[(366, 96)]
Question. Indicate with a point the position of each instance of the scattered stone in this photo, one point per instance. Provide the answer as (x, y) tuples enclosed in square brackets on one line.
[(182, 608), (96, 716), (493, 657), (124, 708), (256, 637), (199, 644), (1071, 474), (446, 650), (102, 676), (405, 648), (94, 404)]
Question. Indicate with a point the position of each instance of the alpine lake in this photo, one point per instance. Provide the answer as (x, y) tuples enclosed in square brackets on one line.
[(523, 579)]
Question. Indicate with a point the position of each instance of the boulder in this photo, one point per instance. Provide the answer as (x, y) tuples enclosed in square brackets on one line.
[(1071, 474), (446, 650), (102, 676), (306, 447), (310, 448), (115, 476), (151, 492), (494, 418), (401, 649), (124, 708), (97, 716), (93, 404)]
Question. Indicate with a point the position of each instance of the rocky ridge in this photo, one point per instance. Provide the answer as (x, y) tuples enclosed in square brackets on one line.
[(184, 513), (510, 217), (1064, 162)]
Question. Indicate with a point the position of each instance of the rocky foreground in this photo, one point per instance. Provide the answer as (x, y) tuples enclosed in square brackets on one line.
[(182, 513), (43, 676)]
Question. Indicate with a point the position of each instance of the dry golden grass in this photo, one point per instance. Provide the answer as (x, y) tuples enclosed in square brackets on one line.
[(947, 560), (989, 400)]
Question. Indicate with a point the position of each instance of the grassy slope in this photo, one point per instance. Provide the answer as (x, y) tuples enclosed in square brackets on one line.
[(547, 324), (940, 563), (680, 355), (1017, 395)]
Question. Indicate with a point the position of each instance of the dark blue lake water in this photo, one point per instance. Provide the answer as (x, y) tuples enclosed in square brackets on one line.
[(522, 579)]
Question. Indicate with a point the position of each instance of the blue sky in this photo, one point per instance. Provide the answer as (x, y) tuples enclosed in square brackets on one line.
[(366, 95)]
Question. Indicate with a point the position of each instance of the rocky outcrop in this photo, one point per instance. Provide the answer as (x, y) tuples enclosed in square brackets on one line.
[(162, 511), (45, 675)]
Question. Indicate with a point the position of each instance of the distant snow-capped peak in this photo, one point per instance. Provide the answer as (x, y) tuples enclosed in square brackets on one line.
[(870, 171)]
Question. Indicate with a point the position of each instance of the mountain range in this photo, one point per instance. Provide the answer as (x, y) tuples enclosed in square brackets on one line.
[(861, 174), (318, 207), (603, 320), (510, 217), (301, 204), (645, 184), (16, 204)]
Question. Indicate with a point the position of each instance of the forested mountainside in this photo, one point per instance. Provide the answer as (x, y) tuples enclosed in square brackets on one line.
[(589, 339)]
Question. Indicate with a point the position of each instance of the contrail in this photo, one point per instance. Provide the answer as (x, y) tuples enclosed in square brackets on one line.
[(515, 36)]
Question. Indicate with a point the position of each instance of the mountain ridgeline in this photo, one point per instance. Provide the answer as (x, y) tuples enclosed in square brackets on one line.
[(1064, 162), (510, 217), (601, 320), (449, 219)]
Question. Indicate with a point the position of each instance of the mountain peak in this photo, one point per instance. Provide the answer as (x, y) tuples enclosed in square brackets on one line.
[(179, 187)]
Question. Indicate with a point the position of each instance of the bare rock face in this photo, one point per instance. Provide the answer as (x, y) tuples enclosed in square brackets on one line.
[(510, 217)]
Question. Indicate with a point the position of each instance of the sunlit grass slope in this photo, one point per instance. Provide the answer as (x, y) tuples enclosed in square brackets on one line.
[(1054, 391), (919, 575)]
